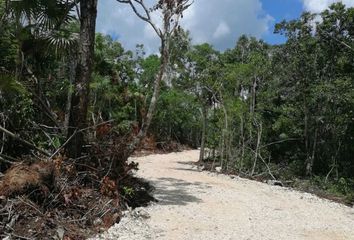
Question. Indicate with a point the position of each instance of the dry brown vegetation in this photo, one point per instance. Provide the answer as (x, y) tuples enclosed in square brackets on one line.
[(69, 198)]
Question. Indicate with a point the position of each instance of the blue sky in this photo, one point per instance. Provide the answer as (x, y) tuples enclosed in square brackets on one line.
[(280, 10), (218, 22)]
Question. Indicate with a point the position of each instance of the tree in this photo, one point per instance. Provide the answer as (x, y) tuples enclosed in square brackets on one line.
[(315, 68), (81, 89), (172, 12), (34, 41), (200, 75)]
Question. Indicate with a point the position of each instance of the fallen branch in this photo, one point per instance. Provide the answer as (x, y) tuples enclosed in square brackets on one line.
[(265, 163), (280, 141), (28, 144), (7, 158), (6, 161), (30, 205), (96, 125), (21, 237), (62, 146), (77, 131), (268, 168)]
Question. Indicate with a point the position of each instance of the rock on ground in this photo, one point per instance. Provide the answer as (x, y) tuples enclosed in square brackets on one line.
[(197, 205)]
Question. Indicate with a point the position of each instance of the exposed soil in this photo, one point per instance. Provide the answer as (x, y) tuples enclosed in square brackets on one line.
[(199, 205)]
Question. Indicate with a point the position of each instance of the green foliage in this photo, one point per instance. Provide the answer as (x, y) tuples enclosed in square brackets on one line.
[(128, 191), (49, 14), (287, 106), (177, 117), (343, 187), (8, 50), (150, 67), (8, 84), (16, 112), (107, 52)]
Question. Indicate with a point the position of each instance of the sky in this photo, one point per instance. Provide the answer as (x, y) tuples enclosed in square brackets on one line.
[(218, 22)]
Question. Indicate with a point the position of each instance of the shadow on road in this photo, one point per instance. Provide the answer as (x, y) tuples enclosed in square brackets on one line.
[(172, 191), (186, 169), (187, 163)]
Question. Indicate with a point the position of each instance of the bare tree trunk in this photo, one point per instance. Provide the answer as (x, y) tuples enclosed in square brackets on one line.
[(259, 136), (225, 138), (157, 85), (229, 149), (311, 159), (204, 127), (80, 97), (253, 98), (72, 66), (306, 135), (242, 132), (222, 144)]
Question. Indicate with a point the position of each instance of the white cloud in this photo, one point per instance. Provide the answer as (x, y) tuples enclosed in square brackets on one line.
[(222, 30), (219, 22), (317, 6)]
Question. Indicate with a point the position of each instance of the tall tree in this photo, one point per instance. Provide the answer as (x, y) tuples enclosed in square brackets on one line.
[(80, 97), (203, 59), (172, 12)]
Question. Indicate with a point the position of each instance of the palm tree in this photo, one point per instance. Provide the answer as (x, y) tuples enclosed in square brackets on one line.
[(38, 28)]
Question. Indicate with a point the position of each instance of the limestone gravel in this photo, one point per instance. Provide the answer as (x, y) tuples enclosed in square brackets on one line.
[(195, 205)]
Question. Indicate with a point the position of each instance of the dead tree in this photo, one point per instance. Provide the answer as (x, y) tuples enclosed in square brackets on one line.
[(172, 12)]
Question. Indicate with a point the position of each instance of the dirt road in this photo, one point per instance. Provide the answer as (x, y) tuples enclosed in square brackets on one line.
[(197, 205)]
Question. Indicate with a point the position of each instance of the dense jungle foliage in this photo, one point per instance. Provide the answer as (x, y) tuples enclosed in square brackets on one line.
[(279, 111)]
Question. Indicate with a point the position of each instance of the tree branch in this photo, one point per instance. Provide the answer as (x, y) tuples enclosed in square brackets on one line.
[(146, 18), (7, 132)]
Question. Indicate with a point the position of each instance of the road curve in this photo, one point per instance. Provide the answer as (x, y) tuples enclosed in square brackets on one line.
[(197, 205)]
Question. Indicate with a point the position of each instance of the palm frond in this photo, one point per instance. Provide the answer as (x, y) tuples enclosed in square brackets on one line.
[(45, 15), (62, 40)]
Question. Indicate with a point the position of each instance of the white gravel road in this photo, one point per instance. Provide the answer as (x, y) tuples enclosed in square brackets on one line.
[(197, 205)]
